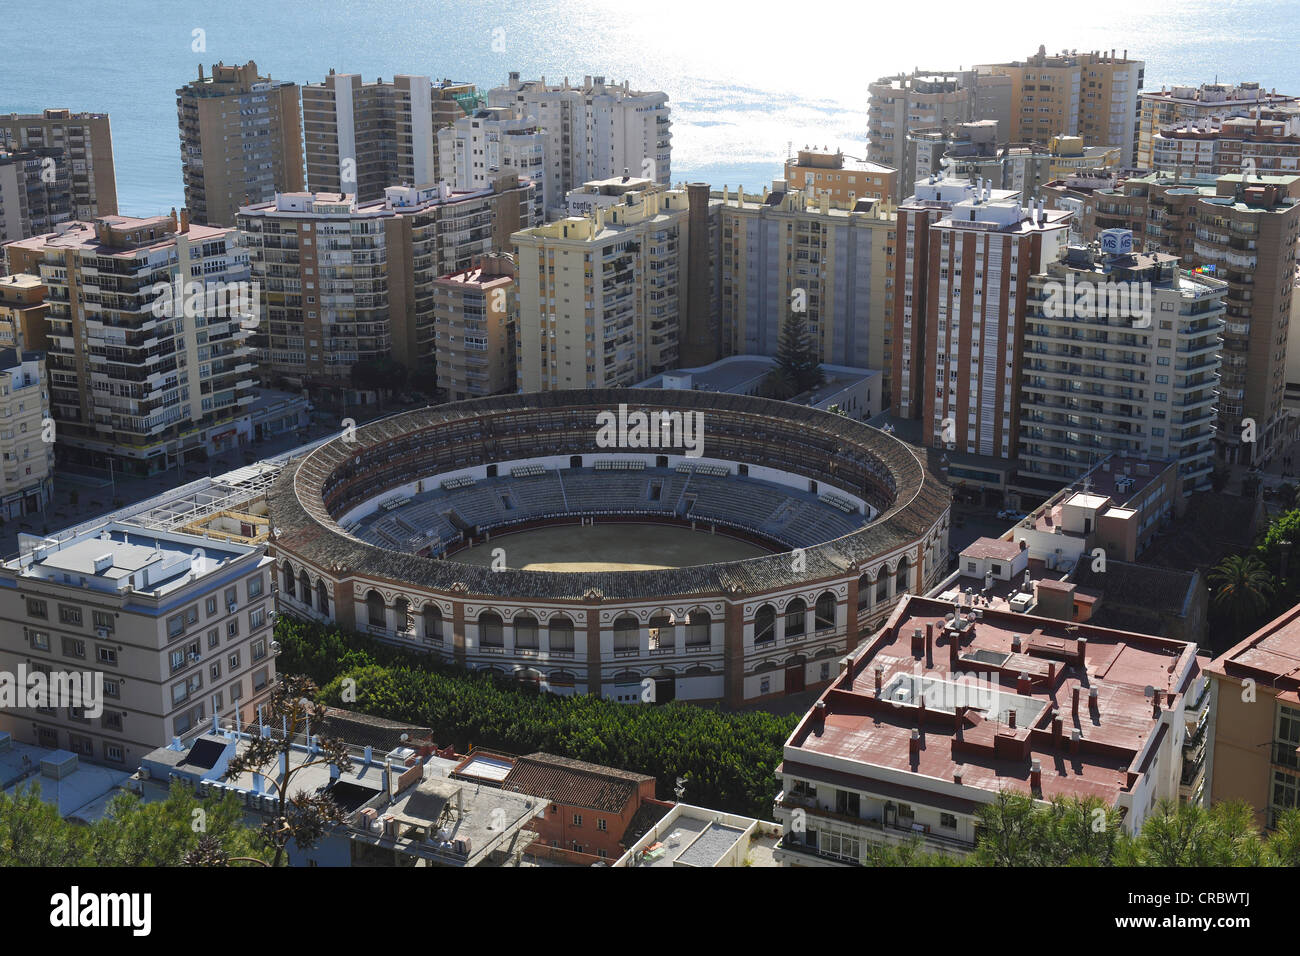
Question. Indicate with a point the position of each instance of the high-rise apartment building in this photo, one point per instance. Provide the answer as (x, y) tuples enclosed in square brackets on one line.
[(1121, 355), (1198, 105), (1241, 144), (343, 282), (476, 149), (361, 138), (86, 141), (1093, 95), (600, 296), (593, 131), (178, 626), (241, 141), (35, 192), (790, 250), (26, 445), (1254, 722), (908, 102), (962, 272), (475, 313), (142, 372), (816, 171), (1242, 229)]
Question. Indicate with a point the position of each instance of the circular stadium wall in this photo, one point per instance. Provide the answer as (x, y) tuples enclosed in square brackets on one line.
[(366, 530)]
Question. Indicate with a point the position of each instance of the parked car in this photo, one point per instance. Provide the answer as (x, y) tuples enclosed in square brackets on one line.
[(1011, 515)]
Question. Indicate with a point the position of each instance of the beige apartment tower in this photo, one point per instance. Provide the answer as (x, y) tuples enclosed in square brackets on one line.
[(141, 378), (790, 249), (600, 296), (361, 138), (474, 322), (241, 141), (1093, 95), (86, 141), (344, 282)]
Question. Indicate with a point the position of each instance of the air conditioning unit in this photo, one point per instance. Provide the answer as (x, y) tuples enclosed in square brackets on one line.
[(193, 656), (232, 607), (102, 632)]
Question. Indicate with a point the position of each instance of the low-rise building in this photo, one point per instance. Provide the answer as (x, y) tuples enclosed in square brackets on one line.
[(820, 171), (177, 627), (855, 392), (947, 706), (699, 837), (402, 808), (22, 312)]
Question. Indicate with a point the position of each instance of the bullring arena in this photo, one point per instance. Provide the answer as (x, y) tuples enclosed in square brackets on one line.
[(507, 534)]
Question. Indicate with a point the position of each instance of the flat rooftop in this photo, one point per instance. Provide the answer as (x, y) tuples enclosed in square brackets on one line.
[(1026, 665), (82, 794), (1272, 652), (116, 556), (692, 841)]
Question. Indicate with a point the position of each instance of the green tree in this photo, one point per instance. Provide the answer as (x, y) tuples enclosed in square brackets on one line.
[(1191, 835), (798, 365), (1241, 585), (33, 834), (164, 833)]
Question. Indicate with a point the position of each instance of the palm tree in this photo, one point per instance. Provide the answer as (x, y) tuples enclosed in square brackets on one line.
[(1242, 585)]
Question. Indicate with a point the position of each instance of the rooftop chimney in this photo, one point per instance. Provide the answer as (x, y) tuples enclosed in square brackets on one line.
[(914, 744), (1011, 719), (1036, 775), (880, 679), (1074, 702)]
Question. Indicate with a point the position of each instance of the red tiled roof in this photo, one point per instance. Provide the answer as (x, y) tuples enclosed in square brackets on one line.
[(574, 782)]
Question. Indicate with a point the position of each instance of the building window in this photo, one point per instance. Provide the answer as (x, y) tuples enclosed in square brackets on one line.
[(70, 615), (947, 821), (113, 753), (106, 655), (103, 620), (233, 662), (254, 587), (259, 679), (214, 638), (40, 640), (258, 649), (112, 688), (232, 628), (600, 825), (236, 691), (37, 608), (112, 720), (257, 618), (211, 606), (73, 647), (577, 819)]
